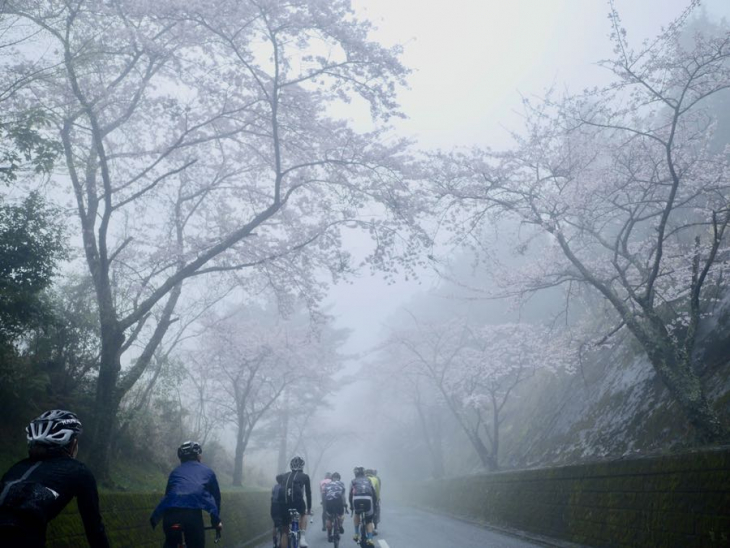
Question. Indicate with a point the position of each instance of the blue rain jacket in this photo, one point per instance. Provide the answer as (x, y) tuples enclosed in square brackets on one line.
[(191, 485)]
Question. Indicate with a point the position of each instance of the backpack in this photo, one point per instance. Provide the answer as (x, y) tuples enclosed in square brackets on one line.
[(294, 487)]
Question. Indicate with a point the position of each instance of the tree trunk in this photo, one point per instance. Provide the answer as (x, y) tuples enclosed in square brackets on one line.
[(433, 443), (284, 433), (106, 403), (238, 458), (684, 385)]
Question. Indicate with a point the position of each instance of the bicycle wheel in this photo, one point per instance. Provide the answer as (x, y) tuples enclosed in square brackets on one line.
[(363, 532)]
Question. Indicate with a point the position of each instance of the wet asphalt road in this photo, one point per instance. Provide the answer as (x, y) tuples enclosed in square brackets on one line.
[(403, 527)]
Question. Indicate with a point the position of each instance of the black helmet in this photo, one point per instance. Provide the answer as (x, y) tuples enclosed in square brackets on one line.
[(55, 427), (336, 476), (369, 472), (297, 463), (358, 471), (189, 450)]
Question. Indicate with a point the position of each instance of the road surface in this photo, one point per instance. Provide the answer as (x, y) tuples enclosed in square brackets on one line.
[(403, 527)]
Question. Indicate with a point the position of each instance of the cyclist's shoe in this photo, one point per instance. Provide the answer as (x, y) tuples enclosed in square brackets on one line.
[(330, 538), (303, 541), (356, 538), (375, 532), (370, 542), (342, 530)]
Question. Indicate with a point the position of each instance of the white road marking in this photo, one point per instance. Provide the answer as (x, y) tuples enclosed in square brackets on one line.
[(383, 544)]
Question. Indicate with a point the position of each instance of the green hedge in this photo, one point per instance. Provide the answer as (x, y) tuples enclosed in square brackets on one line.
[(126, 516), (675, 501)]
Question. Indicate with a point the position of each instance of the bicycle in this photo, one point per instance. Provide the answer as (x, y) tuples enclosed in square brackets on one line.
[(294, 529), (335, 523), (178, 528), (362, 511)]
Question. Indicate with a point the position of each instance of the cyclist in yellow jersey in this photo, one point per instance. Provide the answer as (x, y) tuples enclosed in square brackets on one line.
[(375, 480)]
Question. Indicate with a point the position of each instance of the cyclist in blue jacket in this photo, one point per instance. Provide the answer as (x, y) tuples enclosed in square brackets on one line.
[(191, 488)]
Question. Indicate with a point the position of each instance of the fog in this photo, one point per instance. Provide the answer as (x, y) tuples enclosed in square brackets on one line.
[(474, 237)]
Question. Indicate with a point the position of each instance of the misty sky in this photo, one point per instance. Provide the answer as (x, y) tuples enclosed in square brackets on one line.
[(471, 60)]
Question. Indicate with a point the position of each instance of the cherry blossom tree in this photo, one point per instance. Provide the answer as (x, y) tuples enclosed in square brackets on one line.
[(625, 193), (197, 140), (475, 369), (251, 362)]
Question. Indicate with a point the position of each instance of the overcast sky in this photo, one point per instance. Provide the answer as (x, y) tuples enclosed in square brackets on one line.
[(471, 60)]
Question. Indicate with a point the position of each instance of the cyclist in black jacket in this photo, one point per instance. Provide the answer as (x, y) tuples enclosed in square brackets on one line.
[(36, 489), (296, 487)]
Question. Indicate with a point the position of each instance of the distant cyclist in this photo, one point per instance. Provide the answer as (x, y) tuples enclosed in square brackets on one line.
[(191, 488), (322, 485), (36, 489), (335, 504), (297, 485), (279, 514), (375, 480), (362, 500)]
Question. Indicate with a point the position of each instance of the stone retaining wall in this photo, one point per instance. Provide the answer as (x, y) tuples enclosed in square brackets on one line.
[(678, 501)]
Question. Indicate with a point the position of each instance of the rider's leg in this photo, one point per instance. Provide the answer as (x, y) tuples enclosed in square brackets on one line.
[(356, 523), (192, 522), (284, 536), (303, 528)]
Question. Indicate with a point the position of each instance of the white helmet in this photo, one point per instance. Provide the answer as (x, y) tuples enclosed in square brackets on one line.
[(55, 427)]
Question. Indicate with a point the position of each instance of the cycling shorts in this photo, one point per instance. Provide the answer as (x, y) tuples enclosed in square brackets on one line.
[(334, 507), (363, 504), (297, 505), (191, 520)]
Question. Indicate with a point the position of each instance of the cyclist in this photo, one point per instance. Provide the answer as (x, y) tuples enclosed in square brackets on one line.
[(278, 510), (36, 489), (362, 499), (372, 475), (335, 503), (191, 488), (296, 485), (322, 484)]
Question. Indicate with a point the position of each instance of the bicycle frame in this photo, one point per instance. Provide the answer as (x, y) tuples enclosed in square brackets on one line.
[(363, 530), (334, 520), (293, 529)]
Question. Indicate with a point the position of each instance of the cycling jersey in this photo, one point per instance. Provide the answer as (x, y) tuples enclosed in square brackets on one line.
[(375, 480), (279, 511), (334, 498), (34, 491), (191, 485), (323, 485), (297, 485), (362, 487)]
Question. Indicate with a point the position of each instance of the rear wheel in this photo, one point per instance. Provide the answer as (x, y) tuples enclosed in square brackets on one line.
[(363, 533)]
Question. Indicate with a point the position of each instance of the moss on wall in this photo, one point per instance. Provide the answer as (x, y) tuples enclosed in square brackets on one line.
[(674, 500), (245, 517)]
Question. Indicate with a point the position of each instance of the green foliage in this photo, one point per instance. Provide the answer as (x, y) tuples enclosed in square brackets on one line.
[(31, 245), (126, 518), (23, 145)]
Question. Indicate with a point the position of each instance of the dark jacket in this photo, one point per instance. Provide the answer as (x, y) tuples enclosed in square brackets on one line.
[(34, 491), (191, 485)]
